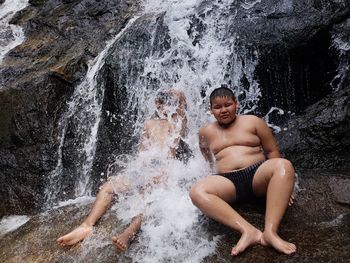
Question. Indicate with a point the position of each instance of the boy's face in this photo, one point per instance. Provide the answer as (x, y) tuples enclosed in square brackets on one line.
[(166, 103), (224, 109), (161, 109)]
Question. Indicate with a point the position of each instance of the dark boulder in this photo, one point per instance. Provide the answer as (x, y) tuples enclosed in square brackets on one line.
[(319, 137)]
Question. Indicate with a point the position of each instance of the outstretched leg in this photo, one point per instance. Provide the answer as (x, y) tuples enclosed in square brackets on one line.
[(275, 178), (100, 206), (212, 196), (123, 240)]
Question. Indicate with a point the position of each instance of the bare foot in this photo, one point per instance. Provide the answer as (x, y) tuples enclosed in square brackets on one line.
[(271, 239), (75, 236), (248, 238), (123, 240)]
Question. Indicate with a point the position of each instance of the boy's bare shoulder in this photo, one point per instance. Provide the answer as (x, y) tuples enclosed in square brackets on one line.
[(207, 128), (253, 121), (150, 123), (251, 118)]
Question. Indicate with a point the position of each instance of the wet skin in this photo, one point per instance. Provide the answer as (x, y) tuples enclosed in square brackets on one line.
[(232, 143)]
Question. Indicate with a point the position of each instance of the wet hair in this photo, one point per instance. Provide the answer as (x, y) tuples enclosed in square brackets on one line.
[(222, 91), (166, 98)]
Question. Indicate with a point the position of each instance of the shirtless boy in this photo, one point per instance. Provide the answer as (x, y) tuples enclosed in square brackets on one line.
[(169, 123), (247, 163)]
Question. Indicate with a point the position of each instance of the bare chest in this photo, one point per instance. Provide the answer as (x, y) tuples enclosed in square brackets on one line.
[(223, 139)]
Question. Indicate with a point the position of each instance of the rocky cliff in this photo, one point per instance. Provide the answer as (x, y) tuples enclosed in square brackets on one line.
[(301, 70)]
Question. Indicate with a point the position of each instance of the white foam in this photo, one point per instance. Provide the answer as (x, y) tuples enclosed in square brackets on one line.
[(335, 222), (10, 35), (81, 200), (248, 4), (170, 228), (11, 223)]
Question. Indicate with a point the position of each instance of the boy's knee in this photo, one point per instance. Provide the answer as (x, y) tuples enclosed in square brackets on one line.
[(286, 168), (197, 193)]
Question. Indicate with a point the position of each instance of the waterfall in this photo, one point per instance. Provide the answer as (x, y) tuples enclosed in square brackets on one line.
[(202, 56), (83, 113), (10, 35), (343, 48), (189, 46)]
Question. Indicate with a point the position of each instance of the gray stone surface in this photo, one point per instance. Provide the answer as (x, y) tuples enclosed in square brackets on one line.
[(316, 223), (37, 79)]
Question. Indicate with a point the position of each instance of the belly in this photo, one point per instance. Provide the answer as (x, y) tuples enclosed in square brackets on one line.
[(237, 157)]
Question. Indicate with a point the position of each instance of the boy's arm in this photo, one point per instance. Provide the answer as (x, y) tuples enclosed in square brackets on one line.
[(181, 110), (144, 137), (204, 147), (267, 139)]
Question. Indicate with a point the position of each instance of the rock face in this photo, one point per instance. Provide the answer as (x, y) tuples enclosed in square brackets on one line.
[(303, 67), (115, 132), (297, 60), (37, 79), (316, 223), (319, 137), (299, 65)]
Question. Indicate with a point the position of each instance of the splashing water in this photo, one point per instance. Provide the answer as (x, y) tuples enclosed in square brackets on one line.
[(10, 35), (195, 62), (11, 223), (197, 57), (343, 47), (84, 111), (275, 110)]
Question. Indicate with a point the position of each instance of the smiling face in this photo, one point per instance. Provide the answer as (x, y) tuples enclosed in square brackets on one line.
[(224, 109)]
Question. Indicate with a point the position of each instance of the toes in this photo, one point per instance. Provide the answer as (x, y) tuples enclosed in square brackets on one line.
[(119, 244), (235, 251)]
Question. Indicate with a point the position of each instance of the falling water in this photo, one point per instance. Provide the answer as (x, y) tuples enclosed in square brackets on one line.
[(200, 54), (196, 62), (343, 47), (10, 35), (83, 113)]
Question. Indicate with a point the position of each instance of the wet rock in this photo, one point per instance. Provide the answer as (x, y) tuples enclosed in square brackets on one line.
[(316, 223), (297, 58), (293, 43), (115, 131), (341, 190), (36, 240), (318, 226), (319, 138), (38, 78)]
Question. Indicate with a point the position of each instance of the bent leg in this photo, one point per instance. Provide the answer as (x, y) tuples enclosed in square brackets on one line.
[(275, 179), (212, 196), (100, 206), (123, 240)]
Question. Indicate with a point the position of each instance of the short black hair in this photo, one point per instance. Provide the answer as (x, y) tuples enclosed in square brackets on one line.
[(167, 98), (222, 91)]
